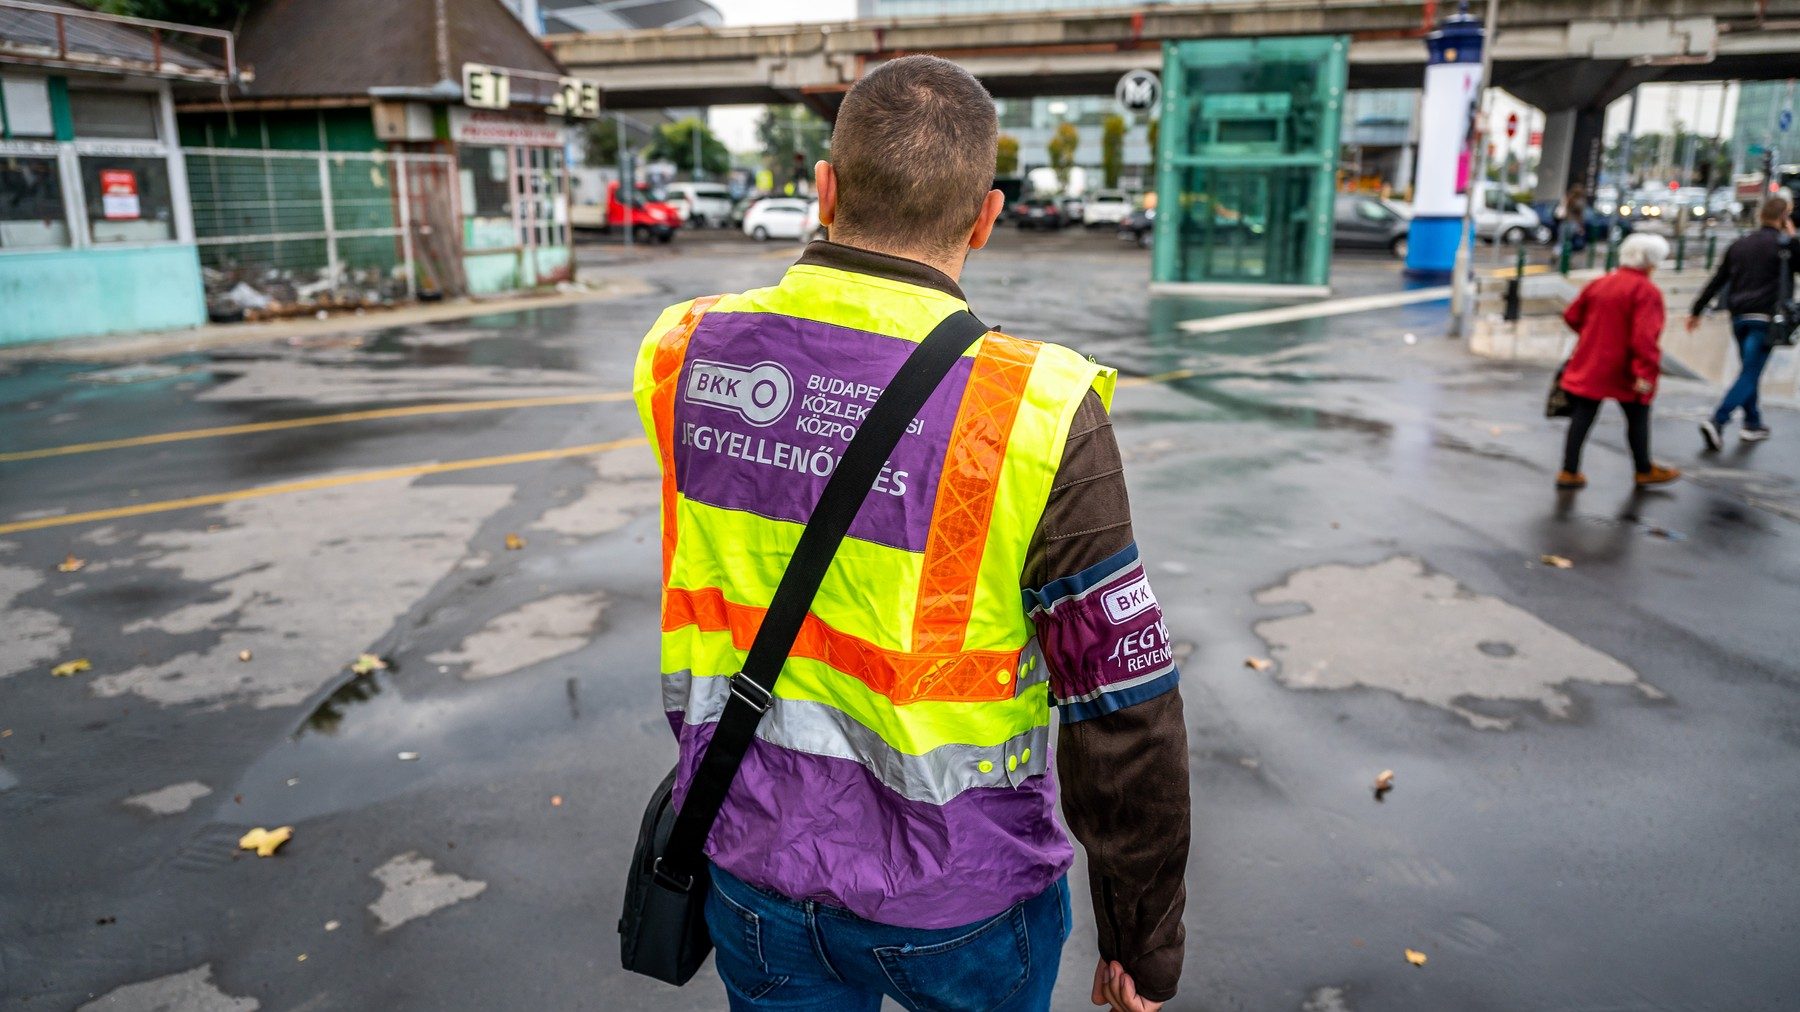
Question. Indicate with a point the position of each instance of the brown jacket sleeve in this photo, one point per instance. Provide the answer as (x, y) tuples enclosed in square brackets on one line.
[(1123, 773)]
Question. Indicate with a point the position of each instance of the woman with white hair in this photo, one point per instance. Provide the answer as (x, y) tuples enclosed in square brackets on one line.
[(1619, 318)]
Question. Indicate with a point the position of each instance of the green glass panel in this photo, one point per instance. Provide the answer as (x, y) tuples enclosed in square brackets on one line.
[(1248, 154)]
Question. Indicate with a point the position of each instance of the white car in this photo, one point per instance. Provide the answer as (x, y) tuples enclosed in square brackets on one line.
[(1500, 218), (776, 218), (1106, 207), (705, 205)]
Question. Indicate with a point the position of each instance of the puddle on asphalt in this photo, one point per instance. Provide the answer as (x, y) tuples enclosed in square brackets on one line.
[(329, 714)]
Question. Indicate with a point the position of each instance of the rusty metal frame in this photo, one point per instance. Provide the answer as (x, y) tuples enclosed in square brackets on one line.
[(156, 29)]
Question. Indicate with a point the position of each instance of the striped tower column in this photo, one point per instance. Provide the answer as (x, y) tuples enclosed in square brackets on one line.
[(1445, 160)]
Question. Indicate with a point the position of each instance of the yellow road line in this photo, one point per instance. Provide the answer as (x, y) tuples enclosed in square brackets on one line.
[(448, 408), (312, 484)]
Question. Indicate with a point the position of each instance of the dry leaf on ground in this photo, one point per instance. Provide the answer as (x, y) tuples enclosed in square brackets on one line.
[(70, 564), (1415, 957), (1555, 560), (68, 668), (555, 801), (1384, 780), (368, 664), (244, 655), (1258, 663), (514, 542), (266, 841)]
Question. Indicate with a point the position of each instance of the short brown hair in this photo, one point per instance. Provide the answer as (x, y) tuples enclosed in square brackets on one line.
[(913, 151), (1773, 210)]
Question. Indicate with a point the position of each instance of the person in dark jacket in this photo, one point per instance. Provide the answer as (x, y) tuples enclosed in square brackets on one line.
[(1750, 275), (1617, 357)]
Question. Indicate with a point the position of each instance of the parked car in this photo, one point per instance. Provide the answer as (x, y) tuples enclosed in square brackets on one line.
[(647, 219), (1106, 207), (776, 218), (811, 228), (1364, 222), (1039, 212), (1074, 210), (703, 205), (1139, 227), (1500, 218)]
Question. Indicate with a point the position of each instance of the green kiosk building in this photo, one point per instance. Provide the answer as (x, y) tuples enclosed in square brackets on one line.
[(1248, 155)]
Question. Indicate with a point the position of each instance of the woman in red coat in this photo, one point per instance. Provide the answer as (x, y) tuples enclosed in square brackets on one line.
[(1620, 320)]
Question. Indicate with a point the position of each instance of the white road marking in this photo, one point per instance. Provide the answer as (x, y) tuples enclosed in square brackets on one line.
[(412, 889), (1313, 310), (171, 799)]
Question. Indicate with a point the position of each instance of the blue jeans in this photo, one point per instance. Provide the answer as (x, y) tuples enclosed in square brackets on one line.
[(1753, 351), (775, 953)]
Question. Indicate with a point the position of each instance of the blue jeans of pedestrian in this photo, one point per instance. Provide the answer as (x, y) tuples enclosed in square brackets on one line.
[(776, 953), (1753, 351)]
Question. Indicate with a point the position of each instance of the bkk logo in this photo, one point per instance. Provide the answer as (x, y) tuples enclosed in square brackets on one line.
[(761, 393), (1132, 599)]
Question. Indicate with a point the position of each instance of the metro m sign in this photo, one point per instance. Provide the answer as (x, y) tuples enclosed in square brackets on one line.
[(1138, 92), (486, 87)]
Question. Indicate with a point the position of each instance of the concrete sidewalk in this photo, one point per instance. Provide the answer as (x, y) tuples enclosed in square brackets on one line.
[(159, 344)]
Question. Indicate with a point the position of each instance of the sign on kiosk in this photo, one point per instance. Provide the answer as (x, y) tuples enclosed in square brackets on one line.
[(486, 87), (119, 195)]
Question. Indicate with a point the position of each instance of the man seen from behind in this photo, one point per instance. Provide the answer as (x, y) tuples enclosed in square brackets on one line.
[(893, 828), (1751, 277)]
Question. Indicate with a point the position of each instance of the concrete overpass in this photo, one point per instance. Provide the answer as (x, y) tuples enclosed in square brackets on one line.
[(1553, 53)]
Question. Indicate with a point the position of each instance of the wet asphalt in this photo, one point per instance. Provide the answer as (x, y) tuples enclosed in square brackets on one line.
[(1597, 768)]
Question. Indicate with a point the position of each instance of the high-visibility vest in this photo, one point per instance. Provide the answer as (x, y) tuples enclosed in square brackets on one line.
[(903, 772)]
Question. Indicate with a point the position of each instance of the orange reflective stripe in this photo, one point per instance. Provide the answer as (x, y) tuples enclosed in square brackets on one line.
[(665, 374), (965, 492), (969, 676)]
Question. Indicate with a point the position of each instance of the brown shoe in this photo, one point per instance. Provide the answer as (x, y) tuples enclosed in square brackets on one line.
[(1571, 480), (1657, 475)]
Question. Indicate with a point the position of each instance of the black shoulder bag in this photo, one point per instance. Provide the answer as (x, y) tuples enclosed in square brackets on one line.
[(663, 930)]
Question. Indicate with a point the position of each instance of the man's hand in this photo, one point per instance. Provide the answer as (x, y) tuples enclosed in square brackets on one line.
[(1644, 387), (1113, 986), (1693, 324)]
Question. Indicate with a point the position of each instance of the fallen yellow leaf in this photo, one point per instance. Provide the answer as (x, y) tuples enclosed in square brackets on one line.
[(514, 542), (265, 841), (1555, 560), (244, 655), (70, 564), (1415, 957), (68, 668), (1384, 780), (368, 663), (1258, 663)]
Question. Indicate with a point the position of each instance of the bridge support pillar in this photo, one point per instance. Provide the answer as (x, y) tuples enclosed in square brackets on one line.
[(1573, 147)]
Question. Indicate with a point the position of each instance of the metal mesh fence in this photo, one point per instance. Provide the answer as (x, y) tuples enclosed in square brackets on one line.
[(288, 232)]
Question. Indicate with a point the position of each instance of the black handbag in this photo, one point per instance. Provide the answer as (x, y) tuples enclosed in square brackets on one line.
[(1557, 404), (1786, 317), (662, 932)]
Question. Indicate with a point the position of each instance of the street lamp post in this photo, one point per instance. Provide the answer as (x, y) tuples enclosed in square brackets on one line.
[(1463, 323)]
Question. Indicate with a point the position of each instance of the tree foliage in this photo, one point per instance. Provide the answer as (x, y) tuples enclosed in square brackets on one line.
[(211, 13), (1112, 148), (1006, 156), (787, 130), (675, 143), (1665, 155), (602, 144), (1062, 151)]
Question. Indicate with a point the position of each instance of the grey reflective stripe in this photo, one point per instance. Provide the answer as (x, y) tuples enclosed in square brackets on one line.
[(1119, 686), (1034, 667), (818, 729)]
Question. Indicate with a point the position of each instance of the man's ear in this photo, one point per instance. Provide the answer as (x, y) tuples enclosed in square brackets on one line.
[(991, 206), (825, 185)]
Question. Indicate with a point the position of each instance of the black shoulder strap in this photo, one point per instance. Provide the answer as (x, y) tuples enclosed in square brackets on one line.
[(752, 690)]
